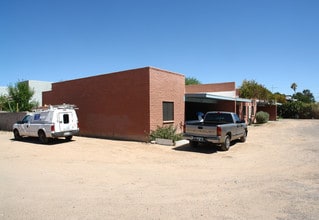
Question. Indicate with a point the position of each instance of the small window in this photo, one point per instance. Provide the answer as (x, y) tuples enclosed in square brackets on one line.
[(168, 111), (37, 117), (65, 119)]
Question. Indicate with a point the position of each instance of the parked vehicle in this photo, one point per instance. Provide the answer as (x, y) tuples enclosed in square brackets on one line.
[(49, 122), (218, 128)]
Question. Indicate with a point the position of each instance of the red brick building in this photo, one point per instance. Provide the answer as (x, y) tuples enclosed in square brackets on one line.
[(124, 105), (270, 108), (130, 104)]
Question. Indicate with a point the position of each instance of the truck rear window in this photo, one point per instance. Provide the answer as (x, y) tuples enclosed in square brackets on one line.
[(66, 119), (218, 118)]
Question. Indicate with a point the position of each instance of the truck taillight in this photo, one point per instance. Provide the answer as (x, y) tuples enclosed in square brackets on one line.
[(52, 128), (219, 131)]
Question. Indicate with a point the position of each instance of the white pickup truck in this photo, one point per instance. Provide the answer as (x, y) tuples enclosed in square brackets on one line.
[(218, 128), (49, 122)]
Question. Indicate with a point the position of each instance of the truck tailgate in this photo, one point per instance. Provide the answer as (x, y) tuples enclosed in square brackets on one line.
[(201, 130)]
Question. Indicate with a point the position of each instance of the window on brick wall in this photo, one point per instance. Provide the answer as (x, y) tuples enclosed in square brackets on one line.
[(168, 111)]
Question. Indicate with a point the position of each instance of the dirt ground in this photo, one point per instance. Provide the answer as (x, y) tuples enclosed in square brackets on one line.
[(274, 175)]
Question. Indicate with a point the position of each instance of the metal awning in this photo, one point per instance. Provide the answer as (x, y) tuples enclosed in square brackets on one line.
[(211, 98)]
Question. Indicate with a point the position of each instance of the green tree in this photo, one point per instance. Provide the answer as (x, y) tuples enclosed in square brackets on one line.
[(294, 87), (278, 97), (298, 109), (252, 90), (192, 81), (306, 96), (20, 97), (3, 103)]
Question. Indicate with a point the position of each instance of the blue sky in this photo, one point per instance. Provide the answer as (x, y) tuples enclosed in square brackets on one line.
[(275, 42)]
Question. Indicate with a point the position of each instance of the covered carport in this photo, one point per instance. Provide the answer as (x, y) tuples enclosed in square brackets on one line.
[(204, 102)]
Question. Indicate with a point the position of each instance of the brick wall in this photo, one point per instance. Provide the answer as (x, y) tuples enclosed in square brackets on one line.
[(270, 109), (121, 105), (111, 105), (166, 86), (215, 87)]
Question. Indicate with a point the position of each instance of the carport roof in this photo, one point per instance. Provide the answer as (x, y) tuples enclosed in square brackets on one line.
[(211, 98)]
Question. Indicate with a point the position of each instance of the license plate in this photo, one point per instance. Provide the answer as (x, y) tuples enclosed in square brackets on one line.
[(198, 139), (67, 133)]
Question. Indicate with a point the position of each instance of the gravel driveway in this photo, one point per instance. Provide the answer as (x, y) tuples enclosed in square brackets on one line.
[(274, 175)]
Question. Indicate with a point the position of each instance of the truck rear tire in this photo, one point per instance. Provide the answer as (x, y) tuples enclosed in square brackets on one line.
[(42, 137), (68, 138), (225, 146)]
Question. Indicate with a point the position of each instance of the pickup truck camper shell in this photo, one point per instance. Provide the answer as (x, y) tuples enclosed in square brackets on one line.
[(48, 122)]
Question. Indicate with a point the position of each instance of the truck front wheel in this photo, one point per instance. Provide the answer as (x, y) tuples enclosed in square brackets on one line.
[(17, 135), (244, 137), (225, 146)]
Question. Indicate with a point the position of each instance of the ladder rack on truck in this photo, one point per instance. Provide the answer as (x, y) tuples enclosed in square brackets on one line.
[(51, 107)]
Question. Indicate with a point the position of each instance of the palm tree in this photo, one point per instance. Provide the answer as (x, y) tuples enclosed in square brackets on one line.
[(294, 87)]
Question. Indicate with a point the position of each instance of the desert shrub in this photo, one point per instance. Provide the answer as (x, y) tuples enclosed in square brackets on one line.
[(315, 110), (262, 117), (290, 109), (306, 111), (166, 132)]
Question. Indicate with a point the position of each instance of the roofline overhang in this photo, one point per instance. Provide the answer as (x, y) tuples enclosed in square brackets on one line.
[(210, 96)]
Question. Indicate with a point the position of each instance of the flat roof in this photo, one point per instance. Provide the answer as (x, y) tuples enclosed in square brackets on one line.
[(211, 98)]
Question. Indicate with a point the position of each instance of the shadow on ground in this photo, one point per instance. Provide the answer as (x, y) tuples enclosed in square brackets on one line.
[(35, 140), (201, 148), (206, 148)]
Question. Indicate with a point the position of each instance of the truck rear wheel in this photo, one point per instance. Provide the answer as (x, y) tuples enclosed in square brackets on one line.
[(225, 146), (42, 137), (68, 138)]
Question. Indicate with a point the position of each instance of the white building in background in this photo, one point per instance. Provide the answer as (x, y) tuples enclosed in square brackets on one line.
[(37, 86)]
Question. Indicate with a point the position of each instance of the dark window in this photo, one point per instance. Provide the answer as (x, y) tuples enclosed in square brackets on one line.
[(218, 118), (26, 119), (244, 110), (168, 111), (37, 117), (66, 119)]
